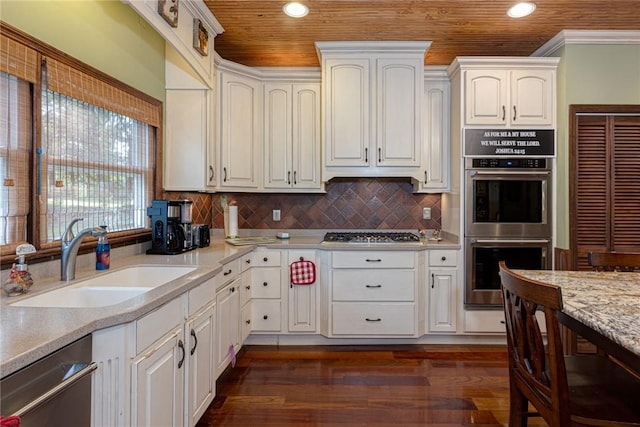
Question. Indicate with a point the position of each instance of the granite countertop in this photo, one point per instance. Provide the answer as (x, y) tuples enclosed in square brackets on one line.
[(30, 333), (607, 302)]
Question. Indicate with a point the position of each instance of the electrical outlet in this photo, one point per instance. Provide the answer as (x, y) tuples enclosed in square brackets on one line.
[(276, 214), (426, 213)]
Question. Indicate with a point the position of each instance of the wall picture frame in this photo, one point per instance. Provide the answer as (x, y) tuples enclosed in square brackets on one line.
[(168, 9), (200, 37)]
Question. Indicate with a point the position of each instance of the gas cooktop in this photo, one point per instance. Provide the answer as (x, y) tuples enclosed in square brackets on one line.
[(370, 237)]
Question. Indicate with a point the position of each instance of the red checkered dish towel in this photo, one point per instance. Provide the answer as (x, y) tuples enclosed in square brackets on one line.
[(302, 272)]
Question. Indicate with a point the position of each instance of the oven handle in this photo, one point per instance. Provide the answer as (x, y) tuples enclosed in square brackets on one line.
[(534, 241), (510, 173), (50, 394)]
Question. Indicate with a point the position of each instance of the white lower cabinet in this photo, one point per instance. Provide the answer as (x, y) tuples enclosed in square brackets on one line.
[(442, 293), (158, 369), (266, 291), (373, 293), (228, 322), (303, 309)]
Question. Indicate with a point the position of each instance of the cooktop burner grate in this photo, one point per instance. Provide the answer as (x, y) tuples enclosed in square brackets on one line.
[(370, 237)]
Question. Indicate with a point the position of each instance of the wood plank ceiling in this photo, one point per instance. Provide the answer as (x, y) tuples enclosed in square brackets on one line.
[(257, 33)]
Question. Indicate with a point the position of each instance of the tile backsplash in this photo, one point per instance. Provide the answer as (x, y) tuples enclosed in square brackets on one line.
[(349, 203)]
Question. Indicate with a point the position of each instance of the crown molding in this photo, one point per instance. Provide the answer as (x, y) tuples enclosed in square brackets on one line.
[(593, 37)]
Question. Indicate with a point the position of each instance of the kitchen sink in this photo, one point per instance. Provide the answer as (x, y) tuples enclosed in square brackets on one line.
[(109, 288)]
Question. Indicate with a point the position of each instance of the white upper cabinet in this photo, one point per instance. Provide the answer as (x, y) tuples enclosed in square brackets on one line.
[(372, 108), (504, 93), (240, 106), (292, 136)]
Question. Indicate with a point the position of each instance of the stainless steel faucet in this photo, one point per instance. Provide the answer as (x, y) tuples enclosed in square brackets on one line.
[(71, 244)]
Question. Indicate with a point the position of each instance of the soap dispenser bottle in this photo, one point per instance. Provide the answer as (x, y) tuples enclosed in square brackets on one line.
[(103, 252), (20, 279)]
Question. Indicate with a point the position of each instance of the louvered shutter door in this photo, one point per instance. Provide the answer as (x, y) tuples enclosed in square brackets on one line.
[(626, 185), (591, 219)]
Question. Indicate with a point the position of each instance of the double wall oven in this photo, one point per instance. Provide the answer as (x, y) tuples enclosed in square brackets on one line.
[(507, 217)]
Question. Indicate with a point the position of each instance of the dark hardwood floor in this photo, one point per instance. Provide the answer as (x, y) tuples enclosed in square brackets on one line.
[(413, 385)]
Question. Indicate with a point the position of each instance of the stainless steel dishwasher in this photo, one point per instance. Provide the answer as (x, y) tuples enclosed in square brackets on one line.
[(53, 391)]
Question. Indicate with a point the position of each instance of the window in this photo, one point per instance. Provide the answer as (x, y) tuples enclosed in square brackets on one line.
[(74, 143)]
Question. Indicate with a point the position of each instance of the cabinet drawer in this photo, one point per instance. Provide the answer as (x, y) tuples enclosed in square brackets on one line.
[(492, 321), (265, 283), (245, 288), (373, 319), (265, 259), (230, 271), (265, 315), (372, 259), (201, 295), (373, 285), (154, 325), (443, 258)]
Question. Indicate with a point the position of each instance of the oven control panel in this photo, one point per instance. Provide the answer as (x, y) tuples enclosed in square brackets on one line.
[(527, 163)]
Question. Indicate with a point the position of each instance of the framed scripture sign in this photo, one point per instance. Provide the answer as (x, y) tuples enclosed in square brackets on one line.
[(509, 142)]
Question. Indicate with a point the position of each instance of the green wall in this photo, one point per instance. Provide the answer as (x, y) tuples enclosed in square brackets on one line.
[(107, 34), (589, 74)]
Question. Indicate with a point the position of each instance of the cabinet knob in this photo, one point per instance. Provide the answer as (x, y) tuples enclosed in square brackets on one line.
[(248, 261), (265, 317), (233, 289), (265, 284), (265, 259), (248, 287), (444, 258), (248, 322)]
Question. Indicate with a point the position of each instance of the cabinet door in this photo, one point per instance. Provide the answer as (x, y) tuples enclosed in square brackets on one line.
[(306, 136), (189, 154), (399, 88), (228, 324), (486, 97), (532, 97), (435, 157), (201, 363), (239, 99), (278, 172), (442, 300), (303, 299), (347, 112), (158, 383)]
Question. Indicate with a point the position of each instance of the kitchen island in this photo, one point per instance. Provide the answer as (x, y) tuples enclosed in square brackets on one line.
[(604, 307)]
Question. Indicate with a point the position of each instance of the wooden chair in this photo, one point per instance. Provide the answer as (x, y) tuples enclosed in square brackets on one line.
[(566, 391), (614, 261)]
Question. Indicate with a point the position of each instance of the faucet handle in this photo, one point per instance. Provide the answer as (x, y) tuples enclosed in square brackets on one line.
[(68, 234)]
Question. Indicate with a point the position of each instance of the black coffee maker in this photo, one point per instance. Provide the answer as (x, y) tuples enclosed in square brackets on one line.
[(170, 227)]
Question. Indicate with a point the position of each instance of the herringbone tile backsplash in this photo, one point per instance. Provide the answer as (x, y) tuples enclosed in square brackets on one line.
[(366, 203)]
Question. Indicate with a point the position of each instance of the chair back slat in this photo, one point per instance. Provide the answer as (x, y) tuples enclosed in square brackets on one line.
[(614, 261), (538, 371)]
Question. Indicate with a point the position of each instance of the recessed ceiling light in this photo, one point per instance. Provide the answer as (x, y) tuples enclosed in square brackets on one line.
[(521, 9), (295, 9)]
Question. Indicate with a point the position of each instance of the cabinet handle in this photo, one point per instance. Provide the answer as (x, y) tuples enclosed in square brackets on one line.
[(232, 289), (373, 320), (210, 173), (373, 260), (224, 170), (248, 322), (195, 342), (265, 284), (226, 273), (373, 286), (265, 317), (433, 281), (366, 155), (379, 154), (504, 113), (425, 176), (288, 177), (295, 178), (248, 261), (514, 113), (248, 287), (181, 347)]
